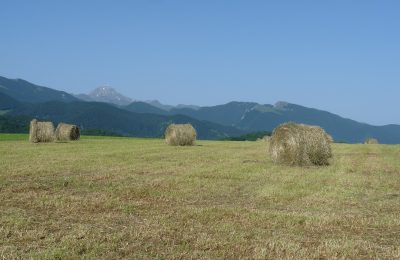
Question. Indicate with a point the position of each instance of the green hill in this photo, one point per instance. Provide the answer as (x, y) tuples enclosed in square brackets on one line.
[(14, 124), (227, 114), (143, 107), (24, 91), (7, 102)]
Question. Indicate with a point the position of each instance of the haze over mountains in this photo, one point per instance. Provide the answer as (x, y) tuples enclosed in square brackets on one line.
[(106, 109)]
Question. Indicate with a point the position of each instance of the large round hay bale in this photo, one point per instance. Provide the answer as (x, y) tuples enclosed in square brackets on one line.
[(180, 134), (41, 131), (67, 132), (301, 145), (330, 138), (371, 141), (266, 138)]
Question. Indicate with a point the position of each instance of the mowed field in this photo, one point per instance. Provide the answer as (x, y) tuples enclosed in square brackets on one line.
[(139, 198)]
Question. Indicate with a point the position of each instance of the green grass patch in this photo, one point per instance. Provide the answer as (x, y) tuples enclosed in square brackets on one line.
[(13, 137)]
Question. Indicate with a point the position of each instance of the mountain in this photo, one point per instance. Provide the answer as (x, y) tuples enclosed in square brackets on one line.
[(227, 114), (24, 91), (83, 97), (179, 106), (107, 95), (143, 107), (21, 101), (19, 98), (158, 104), (110, 95), (340, 128), (97, 115), (7, 102), (253, 117)]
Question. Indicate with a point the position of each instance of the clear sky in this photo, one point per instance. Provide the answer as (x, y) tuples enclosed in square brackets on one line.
[(340, 56)]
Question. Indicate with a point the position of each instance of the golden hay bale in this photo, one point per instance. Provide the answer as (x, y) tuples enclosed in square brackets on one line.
[(299, 144), (330, 138), (371, 141), (41, 131), (67, 132), (180, 134)]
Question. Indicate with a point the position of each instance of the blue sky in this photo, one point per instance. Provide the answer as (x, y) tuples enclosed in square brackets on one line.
[(340, 56)]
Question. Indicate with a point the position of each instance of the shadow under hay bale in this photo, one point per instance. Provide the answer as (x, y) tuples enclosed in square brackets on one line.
[(371, 141), (41, 132), (67, 132), (180, 134), (300, 145)]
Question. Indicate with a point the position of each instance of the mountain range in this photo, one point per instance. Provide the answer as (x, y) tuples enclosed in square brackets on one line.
[(108, 94), (106, 109), (49, 104)]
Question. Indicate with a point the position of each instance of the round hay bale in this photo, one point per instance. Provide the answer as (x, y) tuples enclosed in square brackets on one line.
[(371, 141), (41, 131), (180, 134), (299, 144), (330, 138), (265, 138), (67, 132)]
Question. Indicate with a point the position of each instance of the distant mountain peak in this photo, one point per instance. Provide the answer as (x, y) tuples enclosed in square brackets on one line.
[(281, 105), (106, 94), (105, 91)]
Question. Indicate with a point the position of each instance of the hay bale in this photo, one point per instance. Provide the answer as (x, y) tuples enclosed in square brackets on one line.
[(265, 138), (67, 132), (180, 134), (330, 138), (371, 141), (301, 145), (41, 132)]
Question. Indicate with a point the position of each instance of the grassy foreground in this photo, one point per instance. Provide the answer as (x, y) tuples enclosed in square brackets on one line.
[(139, 198)]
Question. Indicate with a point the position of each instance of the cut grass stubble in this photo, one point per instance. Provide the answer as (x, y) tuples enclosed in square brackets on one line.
[(139, 198)]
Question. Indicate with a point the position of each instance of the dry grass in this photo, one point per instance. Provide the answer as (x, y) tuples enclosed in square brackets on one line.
[(140, 199), (67, 132), (301, 145), (180, 134)]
